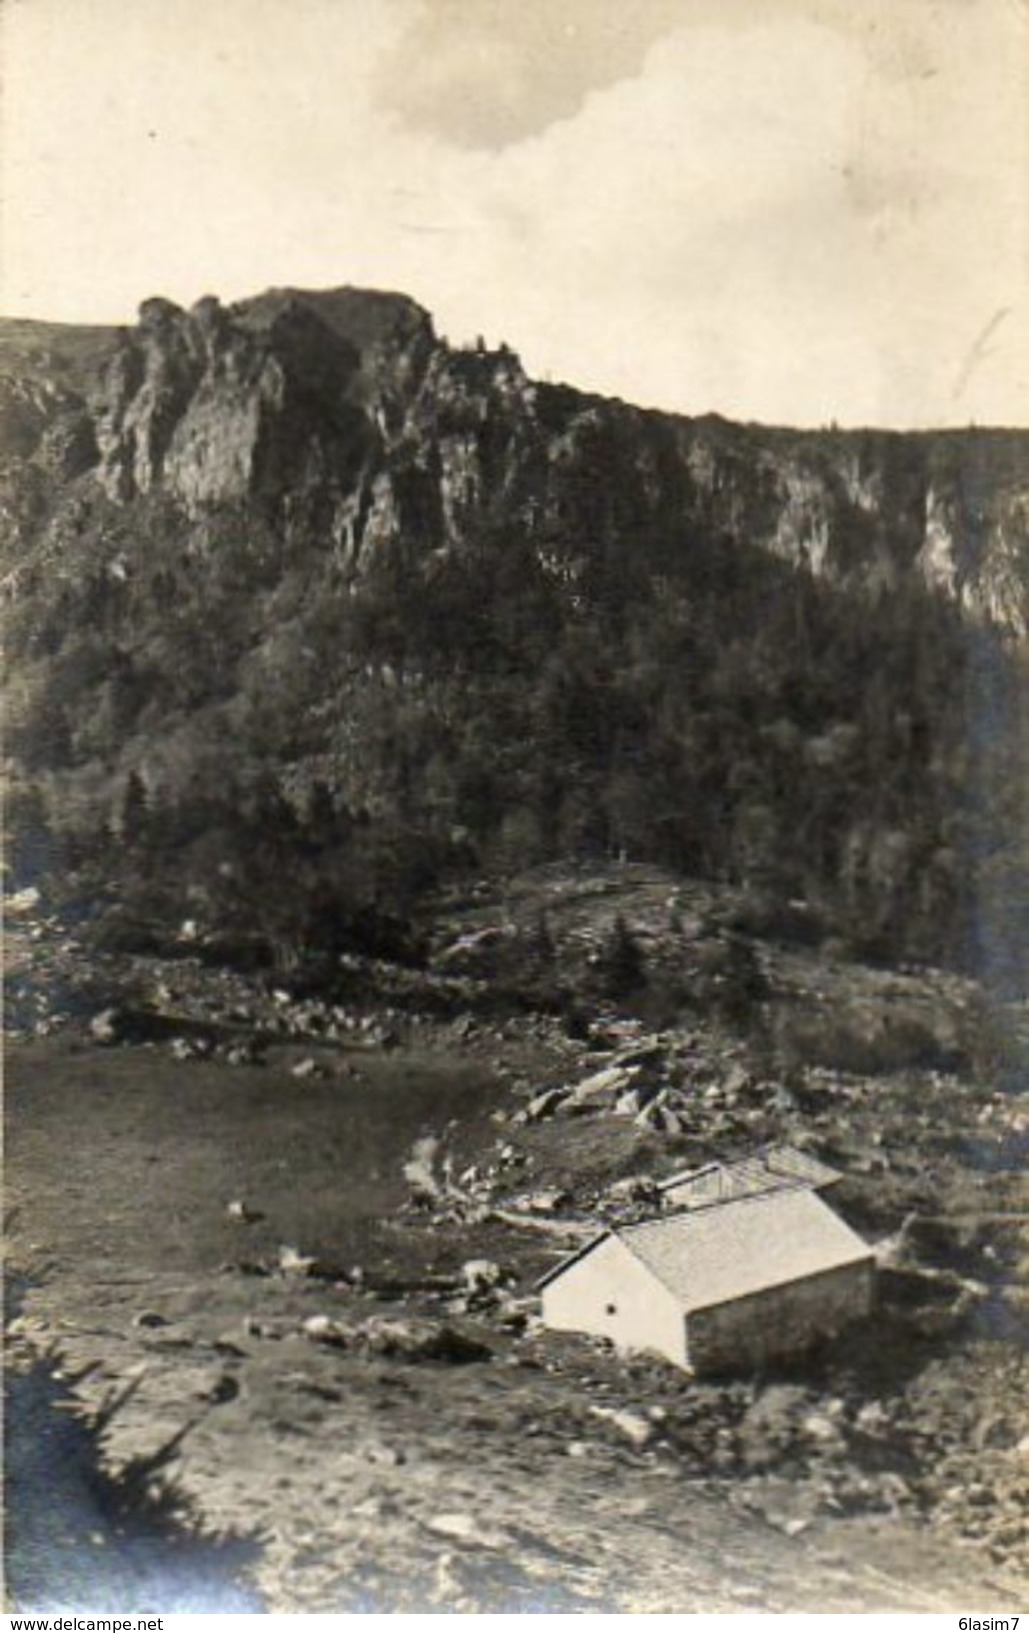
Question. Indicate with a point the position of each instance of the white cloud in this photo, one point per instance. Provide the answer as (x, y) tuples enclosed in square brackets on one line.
[(779, 211)]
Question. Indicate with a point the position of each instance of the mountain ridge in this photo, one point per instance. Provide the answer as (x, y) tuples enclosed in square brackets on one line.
[(302, 543), (22, 336), (220, 375)]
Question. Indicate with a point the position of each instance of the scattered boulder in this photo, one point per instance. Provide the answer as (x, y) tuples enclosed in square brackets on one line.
[(603, 1087), (873, 1419), (634, 1188), (465, 1530), (644, 1052), (995, 1432), (392, 1457), (106, 1027), (294, 1263), (633, 1425), (189, 1048), (481, 1275), (737, 1082), (660, 1118), (306, 1069), (22, 901), (822, 1430), (221, 1390), (545, 1104), (546, 1201), (771, 1427), (635, 1099), (240, 1214), (420, 1170), (206, 1383), (519, 1315), (242, 1054), (417, 1338)]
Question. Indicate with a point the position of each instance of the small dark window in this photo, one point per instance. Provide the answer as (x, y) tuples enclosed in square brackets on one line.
[(611, 1309)]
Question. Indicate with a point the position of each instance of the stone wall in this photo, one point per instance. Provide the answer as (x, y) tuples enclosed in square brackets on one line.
[(748, 1332)]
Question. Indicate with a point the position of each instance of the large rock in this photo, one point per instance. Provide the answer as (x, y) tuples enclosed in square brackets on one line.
[(481, 1275), (106, 1027), (635, 1428), (413, 1338), (635, 1099), (545, 1104)]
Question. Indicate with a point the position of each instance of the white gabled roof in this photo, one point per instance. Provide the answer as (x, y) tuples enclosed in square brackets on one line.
[(770, 1170), (728, 1250)]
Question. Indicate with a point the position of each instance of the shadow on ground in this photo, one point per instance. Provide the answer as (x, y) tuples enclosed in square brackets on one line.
[(79, 1539)]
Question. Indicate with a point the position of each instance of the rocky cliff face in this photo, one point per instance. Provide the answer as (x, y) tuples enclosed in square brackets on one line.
[(344, 406)]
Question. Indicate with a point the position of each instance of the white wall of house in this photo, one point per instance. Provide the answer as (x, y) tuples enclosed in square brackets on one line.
[(611, 1294)]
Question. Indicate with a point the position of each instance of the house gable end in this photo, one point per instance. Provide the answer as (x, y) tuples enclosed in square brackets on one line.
[(612, 1294)]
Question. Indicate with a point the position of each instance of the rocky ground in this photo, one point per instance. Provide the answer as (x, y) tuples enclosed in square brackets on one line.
[(295, 1238)]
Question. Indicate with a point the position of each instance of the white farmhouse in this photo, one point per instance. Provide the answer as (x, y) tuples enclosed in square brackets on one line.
[(718, 1288)]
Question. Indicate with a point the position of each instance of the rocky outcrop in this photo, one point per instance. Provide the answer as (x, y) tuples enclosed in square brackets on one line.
[(213, 410), (341, 409)]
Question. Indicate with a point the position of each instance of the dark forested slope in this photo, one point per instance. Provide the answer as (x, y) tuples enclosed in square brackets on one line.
[(309, 610)]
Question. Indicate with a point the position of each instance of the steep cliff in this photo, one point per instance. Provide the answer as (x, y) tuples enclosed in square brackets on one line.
[(346, 399), (302, 542)]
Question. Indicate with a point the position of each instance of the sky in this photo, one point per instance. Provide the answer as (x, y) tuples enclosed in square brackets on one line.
[(794, 211)]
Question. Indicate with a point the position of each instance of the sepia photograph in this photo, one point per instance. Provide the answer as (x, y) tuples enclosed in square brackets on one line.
[(515, 553)]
